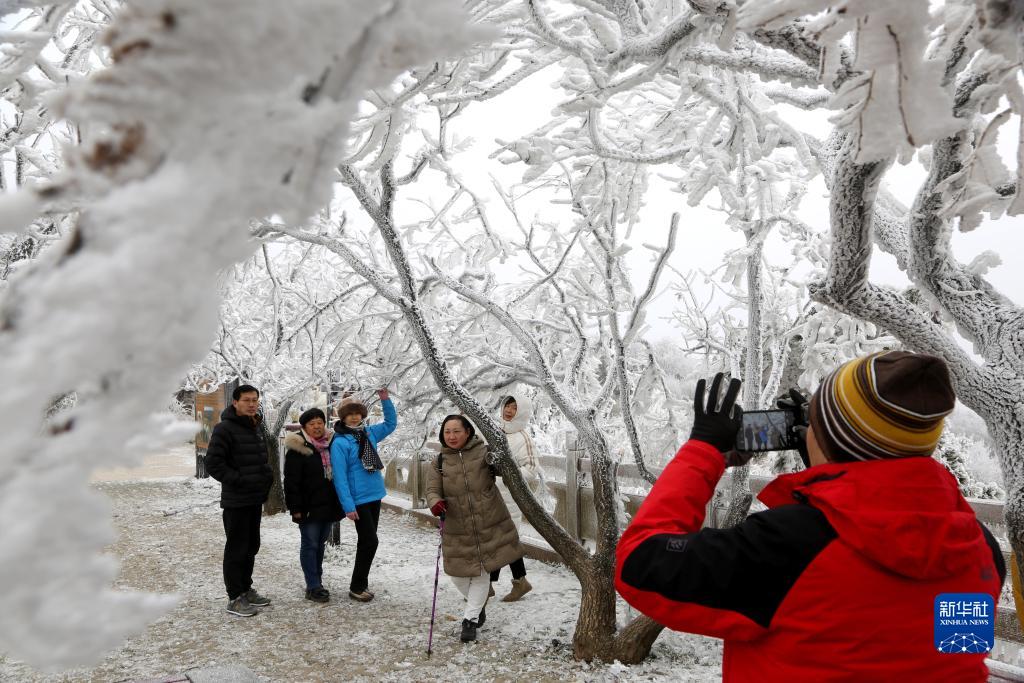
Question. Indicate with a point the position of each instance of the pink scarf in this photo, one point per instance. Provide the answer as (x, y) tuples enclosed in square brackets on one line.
[(322, 446)]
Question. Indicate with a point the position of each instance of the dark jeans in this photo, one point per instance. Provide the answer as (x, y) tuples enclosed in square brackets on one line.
[(242, 528), (366, 545), (314, 533), (518, 570)]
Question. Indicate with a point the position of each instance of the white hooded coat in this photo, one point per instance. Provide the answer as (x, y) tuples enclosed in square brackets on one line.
[(519, 441), (522, 449)]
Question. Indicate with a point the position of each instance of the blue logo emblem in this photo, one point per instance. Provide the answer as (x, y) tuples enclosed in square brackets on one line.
[(965, 623)]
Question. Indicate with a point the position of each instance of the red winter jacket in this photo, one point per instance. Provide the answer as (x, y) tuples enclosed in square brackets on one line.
[(835, 582)]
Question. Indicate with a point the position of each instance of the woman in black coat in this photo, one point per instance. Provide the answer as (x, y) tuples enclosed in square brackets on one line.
[(310, 496)]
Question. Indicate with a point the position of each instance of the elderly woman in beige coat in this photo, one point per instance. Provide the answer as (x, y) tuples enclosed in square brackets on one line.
[(479, 535)]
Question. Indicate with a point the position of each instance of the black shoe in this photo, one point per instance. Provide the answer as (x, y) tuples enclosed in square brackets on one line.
[(255, 599), (317, 595), (241, 607), (468, 631), (482, 618)]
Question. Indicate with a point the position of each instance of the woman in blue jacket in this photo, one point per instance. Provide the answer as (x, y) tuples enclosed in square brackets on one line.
[(359, 481)]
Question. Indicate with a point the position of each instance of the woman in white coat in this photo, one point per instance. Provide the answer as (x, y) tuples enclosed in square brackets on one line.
[(515, 414)]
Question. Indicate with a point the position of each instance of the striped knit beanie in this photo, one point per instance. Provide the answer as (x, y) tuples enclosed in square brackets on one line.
[(887, 405)]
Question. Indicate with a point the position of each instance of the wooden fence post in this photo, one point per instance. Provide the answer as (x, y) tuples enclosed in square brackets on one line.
[(573, 453), (416, 481)]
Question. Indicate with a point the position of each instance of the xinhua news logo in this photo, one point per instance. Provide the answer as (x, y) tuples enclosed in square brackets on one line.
[(965, 623)]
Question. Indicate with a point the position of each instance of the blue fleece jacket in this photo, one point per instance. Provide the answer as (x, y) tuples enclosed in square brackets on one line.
[(354, 484)]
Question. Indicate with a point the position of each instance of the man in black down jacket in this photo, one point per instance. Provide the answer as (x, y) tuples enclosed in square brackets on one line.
[(237, 458)]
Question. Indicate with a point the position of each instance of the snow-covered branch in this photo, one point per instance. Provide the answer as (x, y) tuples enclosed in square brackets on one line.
[(653, 47), (846, 285), (776, 67)]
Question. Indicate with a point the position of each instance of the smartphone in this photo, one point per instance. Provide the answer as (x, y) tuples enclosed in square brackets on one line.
[(767, 430)]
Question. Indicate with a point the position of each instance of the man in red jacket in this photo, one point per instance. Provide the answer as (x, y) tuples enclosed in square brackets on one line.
[(841, 578)]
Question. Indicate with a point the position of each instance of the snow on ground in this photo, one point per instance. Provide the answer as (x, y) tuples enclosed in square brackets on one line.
[(171, 540)]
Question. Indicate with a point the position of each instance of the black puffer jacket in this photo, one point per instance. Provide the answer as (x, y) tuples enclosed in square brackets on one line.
[(306, 489), (237, 458)]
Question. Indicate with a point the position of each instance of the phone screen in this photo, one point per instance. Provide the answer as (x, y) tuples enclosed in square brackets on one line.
[(766, 430)]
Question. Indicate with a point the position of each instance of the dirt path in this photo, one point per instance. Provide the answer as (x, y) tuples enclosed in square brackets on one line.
[(171, 539)]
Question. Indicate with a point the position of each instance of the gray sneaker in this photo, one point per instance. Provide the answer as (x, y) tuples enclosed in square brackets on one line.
[(255, 598), (241, 607)]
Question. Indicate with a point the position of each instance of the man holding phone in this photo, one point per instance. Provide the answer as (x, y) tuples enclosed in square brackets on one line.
[(840, 579)]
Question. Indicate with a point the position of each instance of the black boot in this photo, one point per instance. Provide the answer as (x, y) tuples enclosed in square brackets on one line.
[(468, 631), (482, 618)]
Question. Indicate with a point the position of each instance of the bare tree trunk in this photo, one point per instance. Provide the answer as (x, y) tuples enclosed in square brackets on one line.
[(634, 642), (595, 636), (740, 497), (595, 627), (275, 501)]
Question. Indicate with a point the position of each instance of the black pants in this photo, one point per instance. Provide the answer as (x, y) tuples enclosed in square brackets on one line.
[(518, 570), (366, 545), (242, 528)]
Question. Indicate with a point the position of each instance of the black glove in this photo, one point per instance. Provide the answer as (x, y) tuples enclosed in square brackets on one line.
[(736, 458), (717, 427), (797, 404)]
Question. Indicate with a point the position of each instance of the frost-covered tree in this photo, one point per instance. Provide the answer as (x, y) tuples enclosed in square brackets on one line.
[(183, 143), (953, 451), (573, 330), (903, 77), (576, 370), (657, 89), (44, 50), (930, 79)]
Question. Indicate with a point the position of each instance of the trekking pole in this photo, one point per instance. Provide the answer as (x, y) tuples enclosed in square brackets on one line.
[(437, 574)]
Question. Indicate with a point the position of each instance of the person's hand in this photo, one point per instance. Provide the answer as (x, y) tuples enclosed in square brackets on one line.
[(382, 394), (296, 516), (735, 458), (439, 508), (713, 424), (797, 404), (354, 516)]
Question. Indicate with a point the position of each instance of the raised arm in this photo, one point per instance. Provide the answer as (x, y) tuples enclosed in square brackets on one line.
[(381, 430)]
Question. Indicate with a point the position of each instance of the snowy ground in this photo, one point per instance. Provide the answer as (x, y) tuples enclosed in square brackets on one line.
[(171, 540)]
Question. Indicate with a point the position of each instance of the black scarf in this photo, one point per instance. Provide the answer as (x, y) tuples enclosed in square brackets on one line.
[(367, 453)]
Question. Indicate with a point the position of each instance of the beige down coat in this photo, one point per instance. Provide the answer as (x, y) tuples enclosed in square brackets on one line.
[(478, 533)]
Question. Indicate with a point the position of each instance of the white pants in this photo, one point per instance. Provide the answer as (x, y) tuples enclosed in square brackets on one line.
[(474, 589)]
